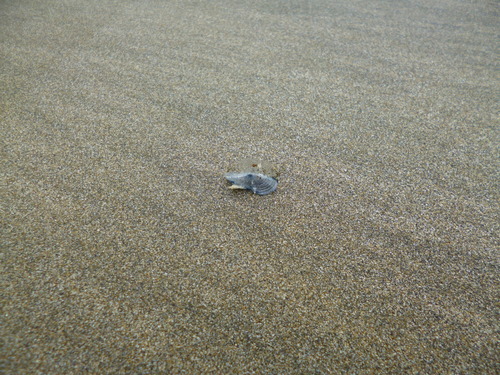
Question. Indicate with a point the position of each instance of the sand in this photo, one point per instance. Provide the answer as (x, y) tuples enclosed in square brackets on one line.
[(124, 252)]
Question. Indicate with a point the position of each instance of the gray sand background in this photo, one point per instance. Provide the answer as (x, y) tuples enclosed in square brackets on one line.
[(124, 252)]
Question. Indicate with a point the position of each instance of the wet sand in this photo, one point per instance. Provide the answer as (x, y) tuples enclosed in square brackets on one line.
[(124, 252)]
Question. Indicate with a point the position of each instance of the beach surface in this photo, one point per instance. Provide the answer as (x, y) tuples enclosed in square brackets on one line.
[(123, 250)]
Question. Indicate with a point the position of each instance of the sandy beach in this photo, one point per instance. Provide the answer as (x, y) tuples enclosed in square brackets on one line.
[(123, 250)]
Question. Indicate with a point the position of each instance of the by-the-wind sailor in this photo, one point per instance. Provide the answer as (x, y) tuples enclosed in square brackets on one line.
[(256, 175), (257, 182)]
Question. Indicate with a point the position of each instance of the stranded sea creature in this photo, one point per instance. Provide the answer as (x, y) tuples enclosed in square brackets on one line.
[(255, 175), (258, 183)]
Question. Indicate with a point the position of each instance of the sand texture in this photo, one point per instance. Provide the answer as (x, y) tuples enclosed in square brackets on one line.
[(124, 252)]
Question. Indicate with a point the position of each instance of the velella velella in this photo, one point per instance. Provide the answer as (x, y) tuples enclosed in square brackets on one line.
[(255, 175), (258, 183)]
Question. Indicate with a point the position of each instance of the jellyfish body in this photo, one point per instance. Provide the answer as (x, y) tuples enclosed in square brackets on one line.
[(258, 183)]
